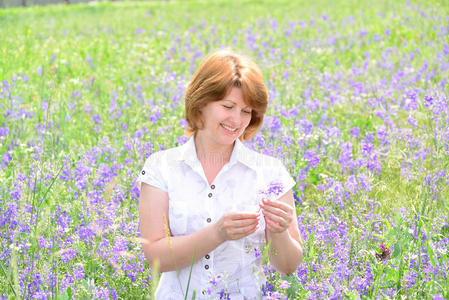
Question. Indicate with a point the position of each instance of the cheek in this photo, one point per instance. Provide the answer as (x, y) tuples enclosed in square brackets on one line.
[(247, 120)]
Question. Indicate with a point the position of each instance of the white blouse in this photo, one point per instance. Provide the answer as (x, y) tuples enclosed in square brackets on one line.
[(234, 267)]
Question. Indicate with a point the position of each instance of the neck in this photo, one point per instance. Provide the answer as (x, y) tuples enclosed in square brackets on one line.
[(212, 153)]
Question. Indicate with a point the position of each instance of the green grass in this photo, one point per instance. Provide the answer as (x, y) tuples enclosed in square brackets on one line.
[(141, 55)]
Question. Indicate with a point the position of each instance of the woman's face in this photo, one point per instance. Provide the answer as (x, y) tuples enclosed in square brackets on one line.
[(225, 120)]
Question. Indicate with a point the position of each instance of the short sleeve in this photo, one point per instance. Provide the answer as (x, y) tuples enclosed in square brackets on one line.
[(280, 180), (284, 178), (152, 173)]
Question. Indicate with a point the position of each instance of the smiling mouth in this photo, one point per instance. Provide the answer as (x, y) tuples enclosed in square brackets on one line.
[(228, 128)]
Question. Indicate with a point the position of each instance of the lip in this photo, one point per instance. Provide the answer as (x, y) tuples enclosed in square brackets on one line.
[(229, 131)]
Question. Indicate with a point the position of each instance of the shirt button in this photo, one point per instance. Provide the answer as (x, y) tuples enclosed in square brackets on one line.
[(206, 267), (212, 186), (207, 256), (209, 220), (204, 292), (143, 172), (210, 195)]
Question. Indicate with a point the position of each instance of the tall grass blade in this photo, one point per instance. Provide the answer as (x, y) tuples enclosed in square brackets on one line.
[(190, 275), (9, 281)]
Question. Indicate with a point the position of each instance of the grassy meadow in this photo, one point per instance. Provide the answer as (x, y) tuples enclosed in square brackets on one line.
[(358, 113)]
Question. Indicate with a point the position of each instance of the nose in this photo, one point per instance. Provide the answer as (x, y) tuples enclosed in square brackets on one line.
[(236, 117)]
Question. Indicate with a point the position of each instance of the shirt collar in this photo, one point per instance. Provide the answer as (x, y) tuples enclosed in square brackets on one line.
[(240, 153)]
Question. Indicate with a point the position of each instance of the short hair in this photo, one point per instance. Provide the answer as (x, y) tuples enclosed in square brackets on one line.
[(217, 74)]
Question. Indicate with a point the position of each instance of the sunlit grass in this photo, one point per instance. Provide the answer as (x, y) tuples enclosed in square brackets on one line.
[(89, 91)]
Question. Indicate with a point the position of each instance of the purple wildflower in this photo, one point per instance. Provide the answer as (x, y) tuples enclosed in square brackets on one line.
[(4, 131), (224, 295), (312, 159), (97, 119), (274, 189), (6, 159), (355, 132), (67, 255), (78, 272), (139, 31)]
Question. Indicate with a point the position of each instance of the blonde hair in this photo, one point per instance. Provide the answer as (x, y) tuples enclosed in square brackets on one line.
[(217, 74)]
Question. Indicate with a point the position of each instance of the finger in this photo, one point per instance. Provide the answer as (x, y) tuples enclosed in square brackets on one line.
[(278, 204), (229, 226), (249, 232), (273, 226), (240, 216), (277, 219), (276, 211), (245, 222), (239, 229), (238, 233)]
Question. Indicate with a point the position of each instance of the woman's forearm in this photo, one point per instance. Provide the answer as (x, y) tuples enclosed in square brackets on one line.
[(176, 252), (285, 252)]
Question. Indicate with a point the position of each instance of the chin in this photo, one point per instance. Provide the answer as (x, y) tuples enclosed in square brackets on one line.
[(228, 140)]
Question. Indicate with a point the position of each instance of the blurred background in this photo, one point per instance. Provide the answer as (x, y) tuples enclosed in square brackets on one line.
[(17, 3)]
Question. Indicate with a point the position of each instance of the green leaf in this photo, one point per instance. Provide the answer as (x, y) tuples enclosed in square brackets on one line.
[(387, 222), (378, 236), (388, 244), (445, 230), (69, 292), (396, 250), (378, 250), (295, 285), (430, 253)]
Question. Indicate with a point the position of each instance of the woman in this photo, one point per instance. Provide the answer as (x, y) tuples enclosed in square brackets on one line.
[(207, 200)]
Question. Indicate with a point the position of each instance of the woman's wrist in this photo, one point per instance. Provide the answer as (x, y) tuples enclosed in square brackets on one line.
[(277, 236), (215, 233)]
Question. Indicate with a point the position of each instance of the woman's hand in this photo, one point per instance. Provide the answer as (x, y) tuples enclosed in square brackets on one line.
[(278, 215), (234, 226)]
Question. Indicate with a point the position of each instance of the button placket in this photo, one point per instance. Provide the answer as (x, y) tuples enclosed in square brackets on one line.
[(210, 203), (207, 261), (210, 260), (208, 220)]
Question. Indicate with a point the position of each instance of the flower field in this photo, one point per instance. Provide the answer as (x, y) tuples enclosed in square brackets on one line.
[(358, 112)]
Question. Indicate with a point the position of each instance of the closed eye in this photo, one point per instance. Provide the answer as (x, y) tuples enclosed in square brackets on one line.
[(227, 107), (247, 112)]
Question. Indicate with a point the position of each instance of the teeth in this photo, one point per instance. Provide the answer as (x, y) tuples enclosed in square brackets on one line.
[(229, 128)]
